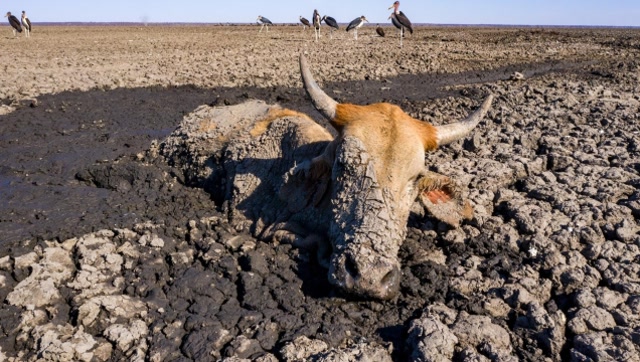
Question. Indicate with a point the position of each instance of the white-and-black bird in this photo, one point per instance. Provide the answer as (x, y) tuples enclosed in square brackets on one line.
[(304, 22), (265, 22), (315, 18), (400, 20), (380, 31), (14, 22), (355, 24), (26, 24), (332, 23)]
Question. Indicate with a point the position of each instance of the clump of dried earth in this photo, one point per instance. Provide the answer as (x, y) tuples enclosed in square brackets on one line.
[(107, 255)]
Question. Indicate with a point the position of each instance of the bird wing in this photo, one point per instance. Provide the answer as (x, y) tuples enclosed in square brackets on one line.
[(28, 22), (380, 31), (353, 24), (402, 19), (305, 22), (394, 21), (265, 20), (331, 22), (15, 23)]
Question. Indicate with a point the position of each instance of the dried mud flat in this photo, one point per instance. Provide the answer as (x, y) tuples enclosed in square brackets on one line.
[(107, 255)]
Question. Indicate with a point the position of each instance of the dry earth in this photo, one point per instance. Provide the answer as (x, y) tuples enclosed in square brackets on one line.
[(107, 255)]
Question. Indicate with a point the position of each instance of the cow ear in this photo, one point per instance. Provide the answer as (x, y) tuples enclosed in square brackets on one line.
[(442, 198), (305, 184)]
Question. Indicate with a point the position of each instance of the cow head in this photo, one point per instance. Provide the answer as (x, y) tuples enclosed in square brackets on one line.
[(369, 176)]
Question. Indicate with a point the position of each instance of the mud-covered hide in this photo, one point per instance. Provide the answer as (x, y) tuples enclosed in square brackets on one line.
[(242, 154), (285, 178)]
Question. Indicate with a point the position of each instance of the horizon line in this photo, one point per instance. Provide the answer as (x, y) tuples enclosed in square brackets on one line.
[(116, 23)]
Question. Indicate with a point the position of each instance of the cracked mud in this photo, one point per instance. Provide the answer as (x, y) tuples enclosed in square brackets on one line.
[(107, 255)]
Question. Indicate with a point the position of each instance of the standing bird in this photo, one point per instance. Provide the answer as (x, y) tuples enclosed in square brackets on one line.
[(356, 23), (333, 24), (304, 22), (380, 31), (15, 24), (316, 22), (400, 20), (265, 22), (26, 24)]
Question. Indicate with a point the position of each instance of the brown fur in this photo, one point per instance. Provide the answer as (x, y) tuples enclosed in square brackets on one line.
[(396, 141), (207, 125), (275, 113), (385, 113)]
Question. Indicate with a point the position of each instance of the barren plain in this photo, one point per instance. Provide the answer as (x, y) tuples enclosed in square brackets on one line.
[(106, 254)]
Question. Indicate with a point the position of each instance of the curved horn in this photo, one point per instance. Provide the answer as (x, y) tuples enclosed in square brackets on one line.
[(323, 103), (452, 132)]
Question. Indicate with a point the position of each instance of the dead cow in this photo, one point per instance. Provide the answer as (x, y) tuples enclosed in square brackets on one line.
[(288, 179)]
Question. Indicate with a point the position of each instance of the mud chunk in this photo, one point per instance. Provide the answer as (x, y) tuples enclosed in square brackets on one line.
[(549, 327), (361, 352), (40, 287), (601, 346), (66, 343), (302, 348), (257, 263), (305, 349), (609, 299), (205, 343), (584, 298), (479, 332), (592, 318), (430, 340), (126, 336), (110, 307), (244, 347)]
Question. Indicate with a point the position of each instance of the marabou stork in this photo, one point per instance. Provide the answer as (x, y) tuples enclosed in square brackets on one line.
[(333, 24), (316, 23), (265, 22), (400, 20), (304, 22), (380, 31), (356, 23), (26, 24), (15, 24)]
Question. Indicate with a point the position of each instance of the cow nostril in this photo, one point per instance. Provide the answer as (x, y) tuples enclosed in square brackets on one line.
[(351, 267), (390, 279)]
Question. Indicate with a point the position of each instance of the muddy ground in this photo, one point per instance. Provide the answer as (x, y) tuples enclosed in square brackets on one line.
[(107, 255)]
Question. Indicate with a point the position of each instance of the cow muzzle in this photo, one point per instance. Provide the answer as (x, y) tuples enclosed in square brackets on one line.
[(365, 274)]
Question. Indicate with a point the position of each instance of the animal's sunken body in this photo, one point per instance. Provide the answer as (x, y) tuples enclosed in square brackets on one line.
[(288, 179)]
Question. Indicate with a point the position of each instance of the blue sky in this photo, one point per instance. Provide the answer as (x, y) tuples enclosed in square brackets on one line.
[(515, 12)]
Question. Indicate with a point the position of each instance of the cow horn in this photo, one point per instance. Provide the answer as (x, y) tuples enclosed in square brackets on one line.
[(452, 132), (323, 103)]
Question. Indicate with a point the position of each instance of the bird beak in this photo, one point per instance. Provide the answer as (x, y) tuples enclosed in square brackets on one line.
[(391, 7)]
